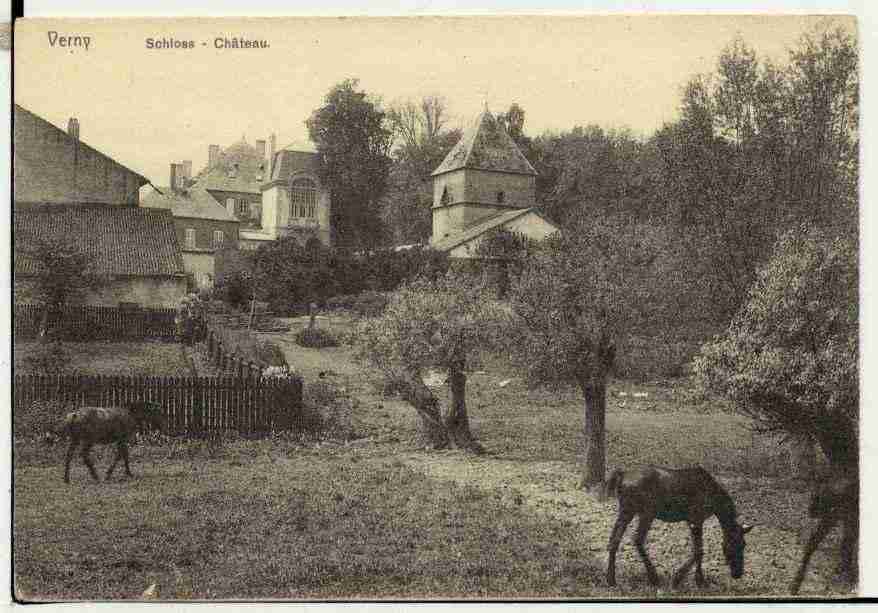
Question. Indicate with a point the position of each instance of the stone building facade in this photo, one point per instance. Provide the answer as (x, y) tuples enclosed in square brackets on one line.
[(52, 166)]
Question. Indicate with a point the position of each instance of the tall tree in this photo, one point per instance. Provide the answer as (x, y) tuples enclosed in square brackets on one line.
[(353, 142), (422, 144)]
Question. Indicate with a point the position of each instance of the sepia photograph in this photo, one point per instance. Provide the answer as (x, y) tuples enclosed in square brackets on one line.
[(438, 308)]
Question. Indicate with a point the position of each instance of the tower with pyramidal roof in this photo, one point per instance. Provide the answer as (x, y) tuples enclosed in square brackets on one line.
[(484, 183)]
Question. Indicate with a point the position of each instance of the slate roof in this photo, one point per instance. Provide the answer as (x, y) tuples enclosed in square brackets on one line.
[(249, 175), (287, 160), (450, 242), (122, 240), (195, 203), (485, 145)]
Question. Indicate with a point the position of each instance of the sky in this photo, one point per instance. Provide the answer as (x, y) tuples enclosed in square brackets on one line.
[(149, 107)]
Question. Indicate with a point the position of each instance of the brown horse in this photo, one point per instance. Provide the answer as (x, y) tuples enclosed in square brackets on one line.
[(88, 426), (835, 500), (691, 495)]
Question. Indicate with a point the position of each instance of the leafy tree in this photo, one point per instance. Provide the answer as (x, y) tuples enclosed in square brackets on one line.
[(434, 324), (406, 206), (288, 274), (353, 142), (64, 273), (579, 294), (789, 357)]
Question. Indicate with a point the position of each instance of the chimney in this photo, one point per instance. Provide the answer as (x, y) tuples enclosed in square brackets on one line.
[(272, 147), (260, 149), (212, 155), (73, 127), (187, 169), (173, 179)]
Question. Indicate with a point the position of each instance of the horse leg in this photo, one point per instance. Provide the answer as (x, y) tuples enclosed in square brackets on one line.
[(622, 520), (847, 566), (643, 526), (826, 524), (70, 451), (86, 448), (695, 558), (116, 457), (125, 458)]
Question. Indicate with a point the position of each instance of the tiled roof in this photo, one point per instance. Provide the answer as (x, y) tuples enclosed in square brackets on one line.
[(450, 242), (62, 134), (485, 145), (195, 203), (122, 240)]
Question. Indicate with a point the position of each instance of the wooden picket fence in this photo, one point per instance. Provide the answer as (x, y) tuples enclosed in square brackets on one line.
[(193, 406), (97, 323)]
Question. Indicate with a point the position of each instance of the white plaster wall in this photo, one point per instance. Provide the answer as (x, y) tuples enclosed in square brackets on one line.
[(530, 224)]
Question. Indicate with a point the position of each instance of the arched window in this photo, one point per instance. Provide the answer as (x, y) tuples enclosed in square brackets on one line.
[(303, 198)]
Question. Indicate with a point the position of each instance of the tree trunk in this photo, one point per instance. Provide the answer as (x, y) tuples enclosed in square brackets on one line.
[(415, 392), (803, 456), (595, 395), (456, 418)]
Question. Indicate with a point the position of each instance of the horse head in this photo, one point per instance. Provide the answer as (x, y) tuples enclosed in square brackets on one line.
[(733, 548)]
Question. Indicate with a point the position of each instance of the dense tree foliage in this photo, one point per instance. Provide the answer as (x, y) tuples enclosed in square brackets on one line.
[(353, 141), (789, 358)]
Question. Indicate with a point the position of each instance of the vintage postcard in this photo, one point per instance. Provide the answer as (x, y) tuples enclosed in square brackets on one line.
[(436, 308)]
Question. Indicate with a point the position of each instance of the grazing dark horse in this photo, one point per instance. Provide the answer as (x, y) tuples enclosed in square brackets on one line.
[(689, 495), (835, 500), (88, 426)]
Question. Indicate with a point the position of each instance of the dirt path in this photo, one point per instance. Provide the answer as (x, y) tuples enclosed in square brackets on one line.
[(550, 490)]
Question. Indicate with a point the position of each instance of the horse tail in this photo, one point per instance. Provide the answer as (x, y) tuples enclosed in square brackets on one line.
[(611, 486)]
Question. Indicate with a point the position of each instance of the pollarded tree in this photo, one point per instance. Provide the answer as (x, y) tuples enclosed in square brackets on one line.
[(577, 296), (789, 358), (434, 324)]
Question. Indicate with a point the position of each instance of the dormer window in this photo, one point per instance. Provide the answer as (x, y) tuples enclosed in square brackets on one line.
[(501, 197)]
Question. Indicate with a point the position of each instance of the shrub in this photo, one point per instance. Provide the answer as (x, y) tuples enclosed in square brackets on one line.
[(250, 347), (316, 338)]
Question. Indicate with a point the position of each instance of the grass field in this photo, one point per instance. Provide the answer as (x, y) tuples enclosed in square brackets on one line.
[(378, 516), (108, 358)]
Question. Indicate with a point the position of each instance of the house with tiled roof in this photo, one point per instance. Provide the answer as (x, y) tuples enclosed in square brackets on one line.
[(134, 249), (53, 166), (484, 184), (203, 228)]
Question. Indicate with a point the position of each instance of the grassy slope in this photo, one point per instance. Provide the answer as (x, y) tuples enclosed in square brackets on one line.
[(110, 358)]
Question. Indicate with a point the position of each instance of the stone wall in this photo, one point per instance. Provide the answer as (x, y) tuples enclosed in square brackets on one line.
[(51, 166)]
